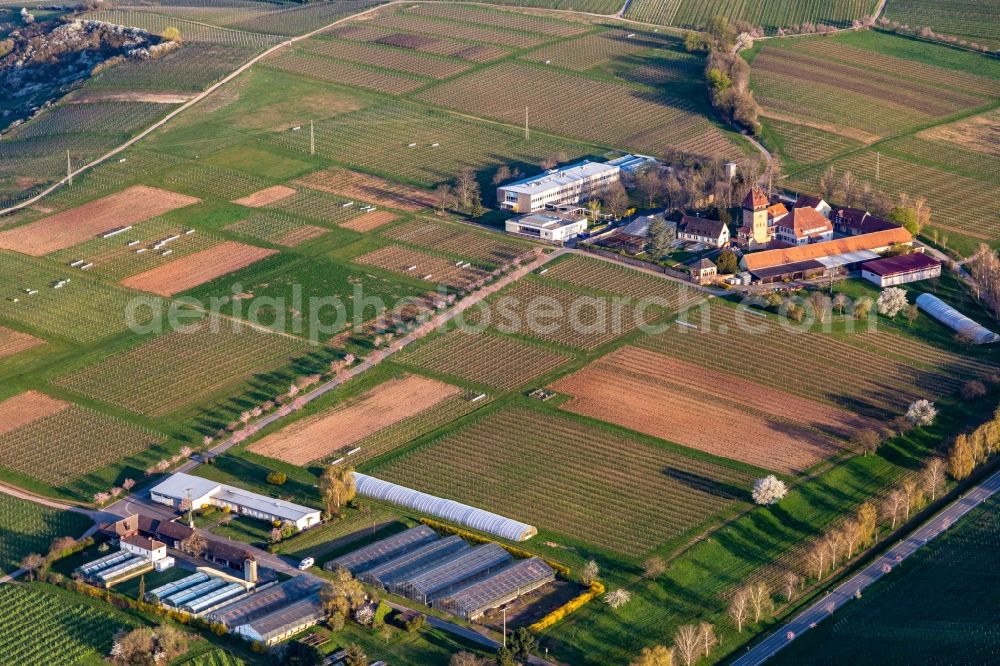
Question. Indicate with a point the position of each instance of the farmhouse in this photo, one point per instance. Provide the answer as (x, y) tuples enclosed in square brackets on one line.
[(802, 226), (568, 185), (181, 489), (713, 233), (855, 221), (901, 269), (547, 226), (816, 203), (831, 257), (151, 549)]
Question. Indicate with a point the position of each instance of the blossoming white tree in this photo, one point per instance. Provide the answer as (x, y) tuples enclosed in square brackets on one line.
[(921, 413), (891, 302), (617, 598), (769, 490)]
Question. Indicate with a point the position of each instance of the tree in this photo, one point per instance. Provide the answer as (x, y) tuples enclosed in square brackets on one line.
[(659, 238), (466, 659), (649, 184), (911, 312), (921, 413), (906, 217), (276, 478), (355, 655), (739, 607), (788, 584), (590, 572), (444, 197), (933, 476), (828, 183), (342, 595), (961, 460), (298, 653), (31, 563), (833, 541), (142, 589), (654, 567), (726, 262), (706, 632), (687, 642), (194, 545), (973, 390), (148, 646), (912, 494), (654, 656), (769, 490), (851, 536), (866, 440), (697, 41), (616, 199), (891, 302), (522, 643), (501, 175), (816, 560), (467, 196), (893, 502), (617, 598), (172, 34), (505, 657), (867, 521), (336, 487), (862, 307), (840, 302), (760, 599)]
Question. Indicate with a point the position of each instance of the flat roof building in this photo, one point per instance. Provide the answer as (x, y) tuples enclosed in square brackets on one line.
[(547, 226), (274, 614), (568, 185), (901, 269), (180, 487)]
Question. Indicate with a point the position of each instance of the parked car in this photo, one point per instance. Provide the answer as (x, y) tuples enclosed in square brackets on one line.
[(306, 563)]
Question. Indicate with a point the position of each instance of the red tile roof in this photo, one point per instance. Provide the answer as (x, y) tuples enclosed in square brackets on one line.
[(877, 240), (805, 221), (808, 201), (755, 199), (777, 210), (143, 542), (904, 263)]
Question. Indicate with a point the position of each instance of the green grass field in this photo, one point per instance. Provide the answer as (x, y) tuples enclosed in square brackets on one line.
[(26, 528), (968, 20), (936, 607), (768, 15)]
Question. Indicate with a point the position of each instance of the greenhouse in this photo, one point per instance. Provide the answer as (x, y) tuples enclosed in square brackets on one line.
[(463, 514), (384, 550), (414, 562), (452, 573), (175, 587), (955, 320), (508, 584)]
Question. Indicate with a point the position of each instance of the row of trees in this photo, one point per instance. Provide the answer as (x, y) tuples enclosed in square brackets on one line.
[(926, 32), (984, 267), (692, 642), (727, 74)]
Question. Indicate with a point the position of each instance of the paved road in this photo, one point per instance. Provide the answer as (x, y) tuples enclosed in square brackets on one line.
[(844, 592)]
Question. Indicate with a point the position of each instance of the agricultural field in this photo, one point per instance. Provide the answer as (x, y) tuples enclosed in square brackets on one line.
[(606, 489), (14, 342), (420, 266), (370, 221), (743, 421), (208, 180), (338, 430), (268, 195), (276, 227), (855, 380), (319, 206), (892, 621), (480, 247), (387, 57), (191, 31), (803, 144), (501, 19), (379, 191), (136, 250), (357, 75), (438, 45), (183, 367), (596, 274), (42, 626), (26, 528), (596, 49), (422, 146), (57, 232), (408, 21), (769, 15), (484, 358), (62, 443), (198, 268), (82, 310), (968, 20), (553, 314), (647, 121)]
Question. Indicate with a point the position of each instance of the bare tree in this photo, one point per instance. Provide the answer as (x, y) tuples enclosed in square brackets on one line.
[(891, 505), (616, 199), (654, 567), (760, 599), (788, 584), (832, 541), (851, 535), (649, 184), (866, 440), (816, 560), (501, 175), (444, 198), (912, 494), (706, 632), (933, 476), (687, 642), (194, 545), (828, 183), (738, 608), (32, 563), (847, 187)]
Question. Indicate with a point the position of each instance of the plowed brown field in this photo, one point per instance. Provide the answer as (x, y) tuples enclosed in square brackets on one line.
[(369, 188), (704, 410), (266, 196), (26, 407), (326, 433), (14, 342), (130, 206), (197, 268)]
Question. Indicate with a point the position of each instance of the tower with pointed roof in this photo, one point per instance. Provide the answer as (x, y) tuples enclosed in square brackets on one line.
[(755, 215)]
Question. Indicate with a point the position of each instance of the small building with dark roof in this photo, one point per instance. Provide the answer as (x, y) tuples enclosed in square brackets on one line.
[(901, 269), (816, 203), (703, 271), (713, 233), (855, 221)]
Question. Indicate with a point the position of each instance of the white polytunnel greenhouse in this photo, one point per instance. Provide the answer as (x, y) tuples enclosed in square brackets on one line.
[(456, 512), (955, 320)]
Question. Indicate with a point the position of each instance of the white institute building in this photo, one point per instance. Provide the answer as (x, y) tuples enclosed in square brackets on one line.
[(205, 492), (569, 185), (547, 226)]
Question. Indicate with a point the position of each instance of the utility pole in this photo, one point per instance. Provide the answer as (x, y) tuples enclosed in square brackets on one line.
[(504, 626), (69, 169), (312, 139), (526, 133), (190, 509)]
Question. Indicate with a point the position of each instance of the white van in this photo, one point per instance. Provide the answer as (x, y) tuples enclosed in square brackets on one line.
[(306, 563)]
